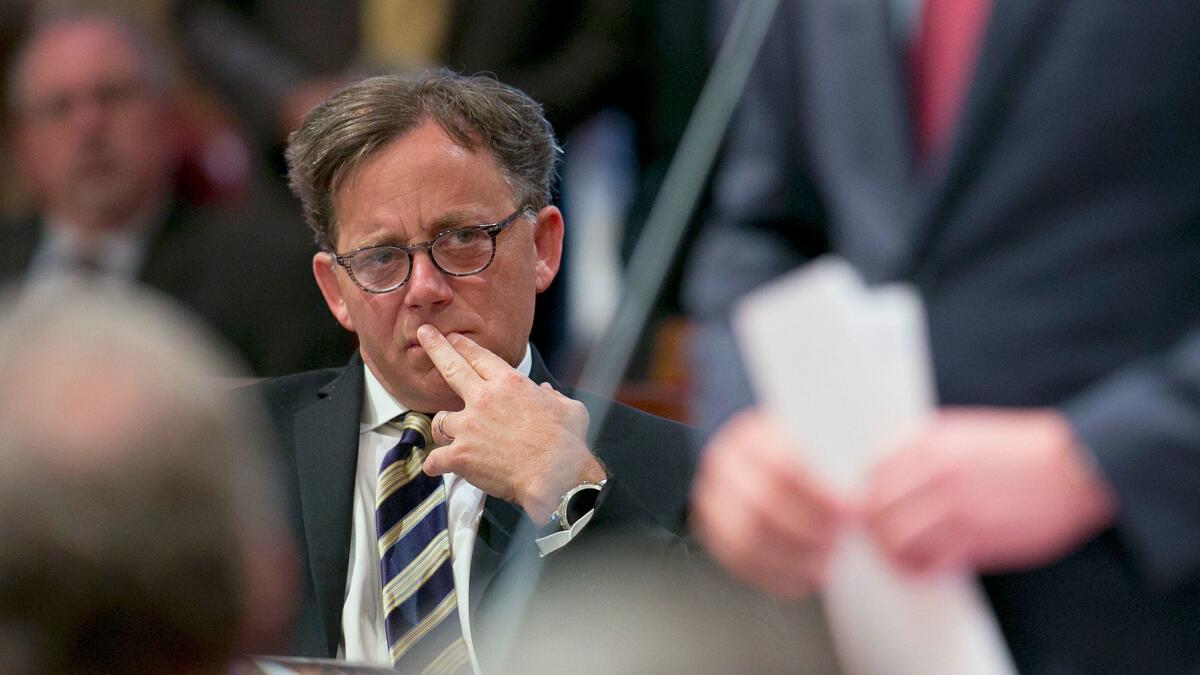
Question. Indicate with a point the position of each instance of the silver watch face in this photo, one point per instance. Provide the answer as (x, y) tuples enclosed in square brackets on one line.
[(563, 513)]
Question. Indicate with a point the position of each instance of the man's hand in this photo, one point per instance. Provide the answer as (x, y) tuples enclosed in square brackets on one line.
[(989, 490), (513, 439), (758, 511)]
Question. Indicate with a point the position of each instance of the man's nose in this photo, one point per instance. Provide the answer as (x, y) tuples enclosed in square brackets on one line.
[(87, 114), (427, 285)]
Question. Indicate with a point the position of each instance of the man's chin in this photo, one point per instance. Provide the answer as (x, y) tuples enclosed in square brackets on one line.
[(427, 393), (110, 205)]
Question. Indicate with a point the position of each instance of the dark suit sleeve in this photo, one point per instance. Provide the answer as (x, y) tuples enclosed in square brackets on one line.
[(1143, 426)]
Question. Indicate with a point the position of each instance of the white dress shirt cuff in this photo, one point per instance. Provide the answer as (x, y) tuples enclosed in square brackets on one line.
[(556, 540)]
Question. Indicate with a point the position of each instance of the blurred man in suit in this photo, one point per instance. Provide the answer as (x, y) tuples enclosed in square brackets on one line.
[(1035, 178), (140, 531), (96, 136)]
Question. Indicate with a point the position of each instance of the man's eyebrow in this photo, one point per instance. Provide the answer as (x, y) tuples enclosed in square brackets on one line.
[(455, 220), (446, 222)]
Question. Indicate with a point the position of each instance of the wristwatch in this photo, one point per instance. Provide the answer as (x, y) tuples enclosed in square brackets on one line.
[(576, 502)]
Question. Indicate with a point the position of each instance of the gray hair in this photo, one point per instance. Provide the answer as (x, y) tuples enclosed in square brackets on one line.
[(476, 112), (132, 487)]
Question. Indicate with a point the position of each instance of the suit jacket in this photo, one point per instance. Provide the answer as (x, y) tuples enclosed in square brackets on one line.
[(621, 592), (1056, 246), (249, 279)]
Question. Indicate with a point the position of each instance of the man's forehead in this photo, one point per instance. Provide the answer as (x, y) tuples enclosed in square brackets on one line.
[(420, 184), (79, 49)]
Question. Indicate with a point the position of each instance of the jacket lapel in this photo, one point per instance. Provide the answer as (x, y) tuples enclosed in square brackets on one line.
[(855, 114), (20, 244), (326, 457), (1015, 34), (493, 547), (169, 260)]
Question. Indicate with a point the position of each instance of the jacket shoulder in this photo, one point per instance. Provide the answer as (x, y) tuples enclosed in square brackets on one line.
[(20, 240), (288, 393)]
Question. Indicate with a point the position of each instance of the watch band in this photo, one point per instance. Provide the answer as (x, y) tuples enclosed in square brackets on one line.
[(571, 505)]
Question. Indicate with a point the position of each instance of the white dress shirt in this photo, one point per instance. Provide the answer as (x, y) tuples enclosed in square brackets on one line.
[(118, 253), (364, 638)]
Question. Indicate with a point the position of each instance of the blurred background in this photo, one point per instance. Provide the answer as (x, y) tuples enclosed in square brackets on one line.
[(618, 79)]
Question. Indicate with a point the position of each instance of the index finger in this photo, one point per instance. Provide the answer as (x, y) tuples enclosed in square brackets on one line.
[(487, 364), (457, 371)]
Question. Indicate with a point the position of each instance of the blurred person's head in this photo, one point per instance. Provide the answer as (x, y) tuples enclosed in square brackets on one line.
[(400, 160), (90, 100), (140, 531)]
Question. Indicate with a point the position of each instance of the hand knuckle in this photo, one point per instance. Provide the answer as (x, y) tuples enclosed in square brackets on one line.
[(467, 426), (451, 456)]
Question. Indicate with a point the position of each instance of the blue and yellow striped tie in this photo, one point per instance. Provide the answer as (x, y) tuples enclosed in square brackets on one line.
[(419, 603)]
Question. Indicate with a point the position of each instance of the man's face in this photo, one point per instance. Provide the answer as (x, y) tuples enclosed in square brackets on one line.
[(419, 186), (92, 134)]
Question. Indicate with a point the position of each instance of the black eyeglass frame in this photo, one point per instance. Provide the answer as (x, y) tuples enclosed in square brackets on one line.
[(493, 230)]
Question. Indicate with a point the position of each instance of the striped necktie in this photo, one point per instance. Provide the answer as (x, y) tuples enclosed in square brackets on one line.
[(420, 605)]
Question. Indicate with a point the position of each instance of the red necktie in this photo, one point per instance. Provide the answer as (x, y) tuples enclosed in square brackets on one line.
[(941, 60)]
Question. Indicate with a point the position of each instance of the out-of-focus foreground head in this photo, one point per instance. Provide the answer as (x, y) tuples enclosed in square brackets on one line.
[(91, 101), (139, 525)]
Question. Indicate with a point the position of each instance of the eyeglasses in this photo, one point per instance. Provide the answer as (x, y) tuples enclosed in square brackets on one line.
[(110, 96), (458, 253)]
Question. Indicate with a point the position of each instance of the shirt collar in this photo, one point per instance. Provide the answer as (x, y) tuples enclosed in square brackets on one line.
[(379, 407), (118, 251)]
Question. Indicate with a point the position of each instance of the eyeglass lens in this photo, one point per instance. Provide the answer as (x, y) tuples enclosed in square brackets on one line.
[(460, 252)]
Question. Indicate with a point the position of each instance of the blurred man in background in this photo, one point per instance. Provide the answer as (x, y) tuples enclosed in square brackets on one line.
[(140, 530), (96, 137)]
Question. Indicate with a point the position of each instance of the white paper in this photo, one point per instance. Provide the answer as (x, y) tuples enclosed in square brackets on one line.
[(846, 370)]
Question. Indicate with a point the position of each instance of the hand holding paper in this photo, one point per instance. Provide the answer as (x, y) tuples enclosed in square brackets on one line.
[(985, 489), (760, 512), (844, 371)]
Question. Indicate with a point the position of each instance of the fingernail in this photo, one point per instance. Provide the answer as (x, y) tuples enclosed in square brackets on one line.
[(426, 332), (454, 338)]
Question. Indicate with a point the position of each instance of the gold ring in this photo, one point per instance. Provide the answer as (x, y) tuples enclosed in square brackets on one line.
[(442, 427)]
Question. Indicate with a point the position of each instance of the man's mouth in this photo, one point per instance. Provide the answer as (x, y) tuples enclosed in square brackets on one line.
[(413, 343)]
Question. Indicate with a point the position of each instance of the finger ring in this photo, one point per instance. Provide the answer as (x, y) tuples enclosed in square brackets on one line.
[(442, 427)]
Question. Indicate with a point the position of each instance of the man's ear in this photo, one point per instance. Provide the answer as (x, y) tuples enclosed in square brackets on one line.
[(548, 243), (325, 271)]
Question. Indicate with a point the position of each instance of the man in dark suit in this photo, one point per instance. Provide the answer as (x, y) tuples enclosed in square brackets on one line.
[(1035, 177), (96, 135), (431, 194)]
